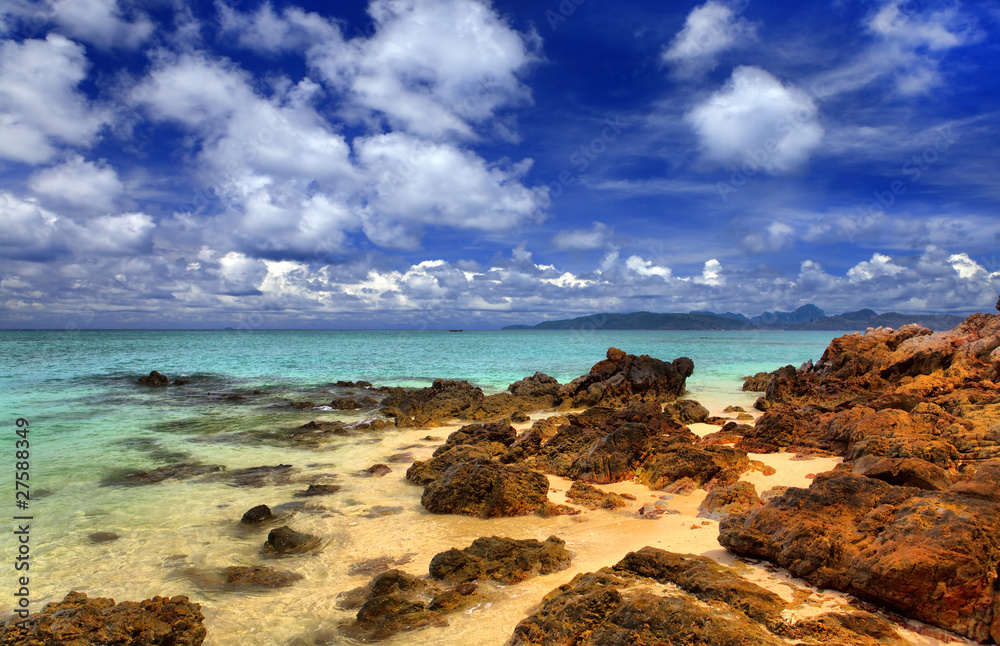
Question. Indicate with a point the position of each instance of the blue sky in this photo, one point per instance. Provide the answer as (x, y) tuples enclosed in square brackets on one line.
[(457, 163)]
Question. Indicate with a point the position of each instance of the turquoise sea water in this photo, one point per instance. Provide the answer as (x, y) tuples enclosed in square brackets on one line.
[(90, 420)]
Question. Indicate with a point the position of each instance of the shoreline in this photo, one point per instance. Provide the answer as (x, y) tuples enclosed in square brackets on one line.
[(306, 611)]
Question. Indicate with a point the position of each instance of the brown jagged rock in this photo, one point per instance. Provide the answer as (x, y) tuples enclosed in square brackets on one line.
[(392, 602), (699, 464), (430, 406), (905, 472), (539, 386), (154, 379), (256, 515), (615, 606), (465, 444), (640, 441), (284, 540), (737, 497), (930, 555), (504, 560), (686, 411), (77, 620), (589, 496), (622, 379), (395, 601), (757, 382), (487, 489)]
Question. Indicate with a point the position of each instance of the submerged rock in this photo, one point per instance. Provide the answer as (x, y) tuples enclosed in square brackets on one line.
[(154, 379), (378, 565), (284, 540), (256, 515), (173, 472), (103, 537), (240, 577), (375, 471), (318, 490), (80, 620)]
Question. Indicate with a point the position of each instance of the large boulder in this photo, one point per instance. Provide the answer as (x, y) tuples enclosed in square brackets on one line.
[(539, 386), (706, 604), (686, 411), (465, 444), (487, 489), (930, 555), (444, 400), (504, 560), (78, 620), (622, 379), (731, 499)]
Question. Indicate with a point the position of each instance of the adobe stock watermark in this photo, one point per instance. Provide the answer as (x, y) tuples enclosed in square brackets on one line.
[(710, 35), (585, 155), (913, 169), (581, 158), (564, 10)]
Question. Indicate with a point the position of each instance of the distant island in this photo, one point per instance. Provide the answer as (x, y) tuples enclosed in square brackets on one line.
[(807, 317)]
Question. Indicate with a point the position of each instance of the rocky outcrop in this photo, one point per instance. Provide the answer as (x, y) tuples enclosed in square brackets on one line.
[(504, 560), (738, 497), (932, 555), (906, 521), (622, 379), (639, 442), (711, 605), (487, 489), (154, 379), (395, 601), (467, 443), (757, 382), (686, 411), (589, 496), (444, 400), (80, 620)]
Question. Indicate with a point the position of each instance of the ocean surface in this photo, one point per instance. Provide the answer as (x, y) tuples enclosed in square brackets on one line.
[(90, 422)]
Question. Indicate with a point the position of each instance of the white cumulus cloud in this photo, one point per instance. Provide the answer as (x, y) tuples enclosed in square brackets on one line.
[(709, 30), (101, 22), (596, 237), (758, 121), (41, 106), (83, 186)]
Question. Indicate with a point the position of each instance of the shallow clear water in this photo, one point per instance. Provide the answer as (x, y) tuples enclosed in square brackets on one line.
[(90, 420)]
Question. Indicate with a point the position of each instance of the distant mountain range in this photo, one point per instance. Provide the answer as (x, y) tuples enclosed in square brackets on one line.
[(807, 317)]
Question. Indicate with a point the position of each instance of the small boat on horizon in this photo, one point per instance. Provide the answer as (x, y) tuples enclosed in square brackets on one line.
[(455, 330)]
